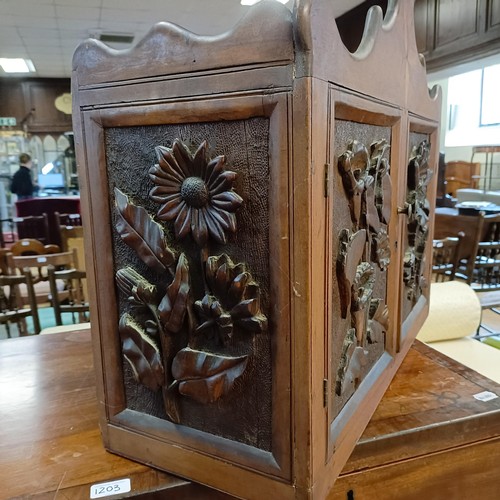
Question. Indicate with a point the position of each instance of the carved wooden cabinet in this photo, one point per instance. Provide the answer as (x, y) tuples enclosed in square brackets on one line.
[(257, 219)]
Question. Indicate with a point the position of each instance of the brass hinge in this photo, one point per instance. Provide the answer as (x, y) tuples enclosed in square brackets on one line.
[(325, 392), (327, 180)]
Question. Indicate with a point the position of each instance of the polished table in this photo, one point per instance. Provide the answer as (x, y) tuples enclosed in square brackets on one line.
[(429, 438)]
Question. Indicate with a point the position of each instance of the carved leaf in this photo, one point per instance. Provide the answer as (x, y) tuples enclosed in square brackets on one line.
[(173, 307), (141, 353), (206, 377), (140, 232), (350, 253)]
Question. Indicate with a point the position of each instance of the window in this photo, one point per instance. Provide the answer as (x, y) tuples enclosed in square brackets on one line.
[(473, 107), (490, 101)]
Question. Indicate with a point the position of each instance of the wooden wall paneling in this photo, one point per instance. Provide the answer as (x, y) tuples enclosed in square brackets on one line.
[(39, 103), (493, 14), (454, 22), (424, 25), (12, 101)]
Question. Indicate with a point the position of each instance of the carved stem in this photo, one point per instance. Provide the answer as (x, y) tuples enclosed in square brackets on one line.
[(203, 263)]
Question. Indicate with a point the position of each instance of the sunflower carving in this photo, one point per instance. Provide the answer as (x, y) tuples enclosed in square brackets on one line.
[(194, 192), (170, 329), (234, 300)]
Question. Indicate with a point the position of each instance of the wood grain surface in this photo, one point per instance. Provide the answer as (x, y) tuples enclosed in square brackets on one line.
[(429, 435)]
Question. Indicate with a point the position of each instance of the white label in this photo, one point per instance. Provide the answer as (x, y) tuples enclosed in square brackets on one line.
[(112, 488), (485, 396), (41, 259)]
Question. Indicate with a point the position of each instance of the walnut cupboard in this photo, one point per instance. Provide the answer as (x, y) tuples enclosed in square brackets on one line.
[(258, 210)]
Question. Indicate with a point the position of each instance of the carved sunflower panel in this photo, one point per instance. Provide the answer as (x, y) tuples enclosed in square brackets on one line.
[(191, 256)]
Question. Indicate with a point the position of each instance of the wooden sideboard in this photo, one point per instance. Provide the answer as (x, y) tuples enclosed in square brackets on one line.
[(429, 438)]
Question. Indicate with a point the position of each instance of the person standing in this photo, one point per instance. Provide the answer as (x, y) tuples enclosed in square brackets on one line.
[(22, 183)]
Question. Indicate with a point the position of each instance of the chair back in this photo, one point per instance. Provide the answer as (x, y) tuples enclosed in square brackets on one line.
[(33, 226), (461, 174), (445, 257), (7, 232), (38, 267), (11, 304), (68, 219), (448, 225), (29, 246), (39, 263), (483, 269), (74, 300)]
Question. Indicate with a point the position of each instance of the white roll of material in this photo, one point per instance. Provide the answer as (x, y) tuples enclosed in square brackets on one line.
[(454, 312)]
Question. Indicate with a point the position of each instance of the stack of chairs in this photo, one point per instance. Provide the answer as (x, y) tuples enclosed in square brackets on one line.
[(34, 274)]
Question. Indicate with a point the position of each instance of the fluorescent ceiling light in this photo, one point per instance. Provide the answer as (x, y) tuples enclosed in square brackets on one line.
[(17, 65), (252, 2)]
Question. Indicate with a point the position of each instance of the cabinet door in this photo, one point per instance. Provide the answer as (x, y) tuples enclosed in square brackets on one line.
[(417, 205), (364, 260)]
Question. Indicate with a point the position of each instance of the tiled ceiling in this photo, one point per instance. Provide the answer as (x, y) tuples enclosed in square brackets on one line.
[(48, 31)]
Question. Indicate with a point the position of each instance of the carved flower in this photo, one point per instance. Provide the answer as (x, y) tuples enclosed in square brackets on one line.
[(195, 193), (234, 300)]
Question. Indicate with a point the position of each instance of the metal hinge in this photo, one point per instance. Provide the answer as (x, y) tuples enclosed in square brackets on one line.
[(325, 392), (327, 180)]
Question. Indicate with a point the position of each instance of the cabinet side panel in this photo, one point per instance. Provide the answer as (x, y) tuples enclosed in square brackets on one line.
[(217, 351)]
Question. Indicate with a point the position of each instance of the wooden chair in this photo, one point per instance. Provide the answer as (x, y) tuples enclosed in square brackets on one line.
[(38, 265), (461, 174), (482, 269), (11, 306), (68, 219), (72, 238), (448, 225), (73, 300), (445, 257), (29, 246), (7, 232), (33, 226)]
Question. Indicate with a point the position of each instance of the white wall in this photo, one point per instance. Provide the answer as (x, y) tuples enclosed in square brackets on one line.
[(461, 152)]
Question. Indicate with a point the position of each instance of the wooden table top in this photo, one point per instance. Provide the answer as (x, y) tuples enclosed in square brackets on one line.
[(50, 444)]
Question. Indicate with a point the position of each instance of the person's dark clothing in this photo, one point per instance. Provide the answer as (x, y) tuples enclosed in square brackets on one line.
[(22, 184)]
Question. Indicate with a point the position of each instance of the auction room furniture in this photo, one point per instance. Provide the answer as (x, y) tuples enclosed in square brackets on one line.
[(461, 174), (33, 226), (72, 298), (429, 437), (259, 248), (12, 309), (445, 257), (489, 157), (49, 205), (38, 265), (7, 233), (29, 246)]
